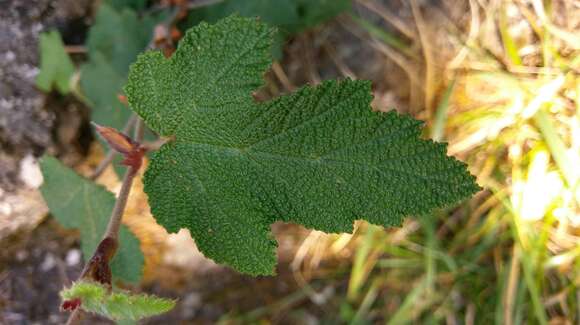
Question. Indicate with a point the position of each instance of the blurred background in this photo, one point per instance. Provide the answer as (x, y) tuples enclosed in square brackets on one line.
[(498, 80)]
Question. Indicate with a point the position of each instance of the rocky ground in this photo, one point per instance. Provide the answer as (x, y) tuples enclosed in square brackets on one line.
[(28, 124), (34, 259)]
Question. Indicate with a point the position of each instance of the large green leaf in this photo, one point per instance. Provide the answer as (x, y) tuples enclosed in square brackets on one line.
[(56, 67), (81, 204), (319, 157)]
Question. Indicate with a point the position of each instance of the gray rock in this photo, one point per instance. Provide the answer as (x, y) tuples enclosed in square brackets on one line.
[(26, 125)]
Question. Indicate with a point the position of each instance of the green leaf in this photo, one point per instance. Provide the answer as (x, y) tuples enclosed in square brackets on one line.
[(132, 4), (289, 16), (107, 109), (114, 42), (81, 204), (56, 67), (116, 305), (276, 13), (314, 12), (319, 157), (120, 35)]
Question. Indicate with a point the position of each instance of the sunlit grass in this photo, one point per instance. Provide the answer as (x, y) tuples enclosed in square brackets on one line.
[(508, 103)]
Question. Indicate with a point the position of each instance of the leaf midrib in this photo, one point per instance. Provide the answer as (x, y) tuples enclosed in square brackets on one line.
[(318, 160)]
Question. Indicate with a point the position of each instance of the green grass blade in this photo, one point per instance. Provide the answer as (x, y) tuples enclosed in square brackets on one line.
[(384, 36), (404, 313), (556, 147), (437, 133), (508, 42)]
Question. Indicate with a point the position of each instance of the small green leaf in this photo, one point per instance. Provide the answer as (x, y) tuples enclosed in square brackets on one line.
[(56, 67), (116, 305), (79, 203), (319, 157)]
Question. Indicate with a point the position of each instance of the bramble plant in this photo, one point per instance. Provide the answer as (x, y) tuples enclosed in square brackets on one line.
[(231, 166)]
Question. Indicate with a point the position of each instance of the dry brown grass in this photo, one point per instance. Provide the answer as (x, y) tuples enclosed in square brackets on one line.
[(500, 81)]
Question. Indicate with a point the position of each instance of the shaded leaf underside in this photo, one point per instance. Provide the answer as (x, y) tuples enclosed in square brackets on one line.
[(319, 157)]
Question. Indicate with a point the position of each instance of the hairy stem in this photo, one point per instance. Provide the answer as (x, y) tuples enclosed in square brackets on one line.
[(108, 246), (117, 214)]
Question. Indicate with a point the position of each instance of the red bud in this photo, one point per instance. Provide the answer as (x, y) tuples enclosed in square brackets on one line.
[(70, 305)]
